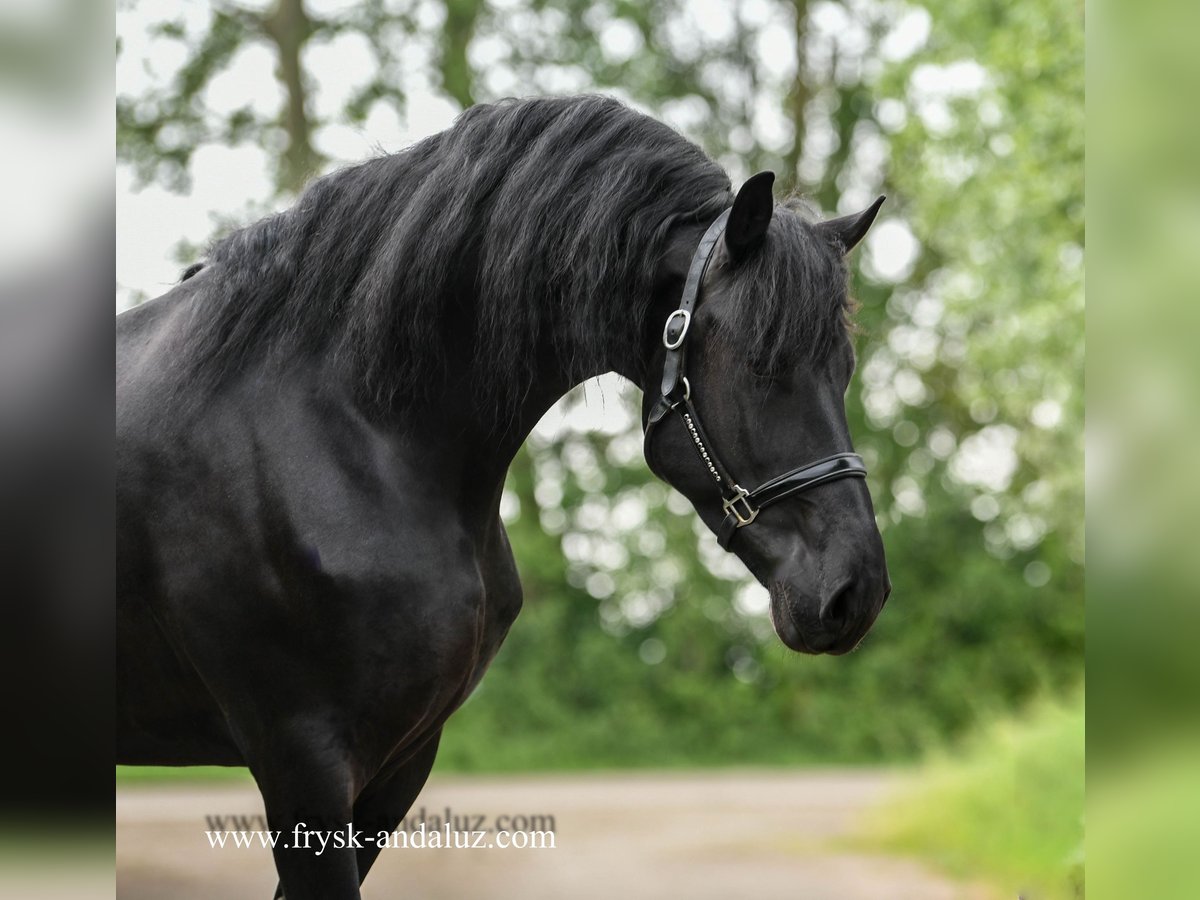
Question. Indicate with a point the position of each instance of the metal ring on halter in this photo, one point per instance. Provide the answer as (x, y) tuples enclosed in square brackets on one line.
[(678, 342), (687, 389)]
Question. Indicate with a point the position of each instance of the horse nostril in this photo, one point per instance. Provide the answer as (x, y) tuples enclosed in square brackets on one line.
[(836, 609)]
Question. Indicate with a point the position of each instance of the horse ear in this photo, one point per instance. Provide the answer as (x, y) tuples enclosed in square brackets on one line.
[(847, 231), (751, 214)]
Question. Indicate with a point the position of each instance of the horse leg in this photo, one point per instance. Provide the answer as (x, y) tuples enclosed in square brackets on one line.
[(388, 797), (385, 800), (308, 790)]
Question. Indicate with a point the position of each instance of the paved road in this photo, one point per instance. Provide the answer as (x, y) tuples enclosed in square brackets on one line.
[(703, 836)]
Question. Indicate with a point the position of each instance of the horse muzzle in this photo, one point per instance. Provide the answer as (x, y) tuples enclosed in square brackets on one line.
[(809, 619)]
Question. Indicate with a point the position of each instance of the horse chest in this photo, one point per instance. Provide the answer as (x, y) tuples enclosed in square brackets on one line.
[(502, 593)]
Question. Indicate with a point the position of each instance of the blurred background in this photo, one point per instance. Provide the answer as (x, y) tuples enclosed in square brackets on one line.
[(641, 644)]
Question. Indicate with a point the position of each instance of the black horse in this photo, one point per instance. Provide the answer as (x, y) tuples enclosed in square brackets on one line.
[(313, 430)]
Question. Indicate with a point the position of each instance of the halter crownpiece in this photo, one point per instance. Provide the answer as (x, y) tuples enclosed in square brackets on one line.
[(741, 506)]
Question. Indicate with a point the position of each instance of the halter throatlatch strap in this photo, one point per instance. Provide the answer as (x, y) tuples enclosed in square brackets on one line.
[(741, 506)]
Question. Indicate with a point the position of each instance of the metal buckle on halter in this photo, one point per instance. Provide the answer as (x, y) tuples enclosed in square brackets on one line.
[(687, 321), (730, 506)]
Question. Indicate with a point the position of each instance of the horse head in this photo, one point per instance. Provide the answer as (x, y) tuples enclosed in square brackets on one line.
[(748, 418)]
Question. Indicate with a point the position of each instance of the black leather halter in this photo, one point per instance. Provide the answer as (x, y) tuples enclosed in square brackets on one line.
[(740, 505)]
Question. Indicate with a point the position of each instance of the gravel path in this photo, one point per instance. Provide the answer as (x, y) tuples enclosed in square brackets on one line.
[(630, 836)]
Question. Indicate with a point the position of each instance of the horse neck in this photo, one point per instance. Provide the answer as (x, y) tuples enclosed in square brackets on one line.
[(485, 437), (489, 435), (492, 436)]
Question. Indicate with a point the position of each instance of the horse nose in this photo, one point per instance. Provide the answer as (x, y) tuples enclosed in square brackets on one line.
[(846, 614), (837, 607)]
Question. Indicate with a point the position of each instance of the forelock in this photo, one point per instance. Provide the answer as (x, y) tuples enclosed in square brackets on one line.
[(788, 302)]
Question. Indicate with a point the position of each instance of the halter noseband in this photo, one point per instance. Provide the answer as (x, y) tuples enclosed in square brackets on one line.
[(740, 505)]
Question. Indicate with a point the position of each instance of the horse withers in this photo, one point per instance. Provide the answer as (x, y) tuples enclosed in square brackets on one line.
[(313, 430)]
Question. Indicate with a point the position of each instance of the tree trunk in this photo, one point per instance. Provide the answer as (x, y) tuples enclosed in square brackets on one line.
[(798, 96), (457, 78), (289, 27)]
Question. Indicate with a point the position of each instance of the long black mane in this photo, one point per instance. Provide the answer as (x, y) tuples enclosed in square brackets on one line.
[(528, 223)]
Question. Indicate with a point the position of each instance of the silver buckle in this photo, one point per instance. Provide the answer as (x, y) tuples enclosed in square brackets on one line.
[(730, 506), (687, 321)]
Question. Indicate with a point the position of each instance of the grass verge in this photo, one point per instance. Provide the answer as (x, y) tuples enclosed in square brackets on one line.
[(1006, 808)]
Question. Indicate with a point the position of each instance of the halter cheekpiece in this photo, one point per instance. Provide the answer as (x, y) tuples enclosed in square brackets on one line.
[(740, 505)]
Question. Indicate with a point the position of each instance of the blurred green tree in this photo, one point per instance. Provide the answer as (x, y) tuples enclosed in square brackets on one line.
[(641, 642)]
